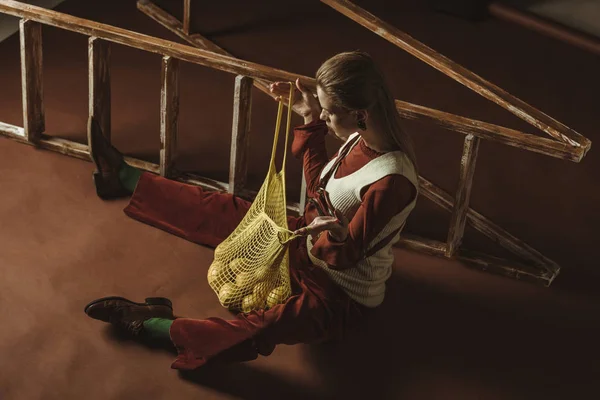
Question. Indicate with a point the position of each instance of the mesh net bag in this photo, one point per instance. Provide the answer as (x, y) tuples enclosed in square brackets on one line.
[(250, 270)]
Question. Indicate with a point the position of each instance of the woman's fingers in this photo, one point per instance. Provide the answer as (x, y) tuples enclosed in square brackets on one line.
[(319, 224), (302, 231), (280, 90), (281, 86)]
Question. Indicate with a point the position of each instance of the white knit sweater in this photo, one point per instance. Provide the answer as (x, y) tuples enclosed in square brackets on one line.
[(365, 283)]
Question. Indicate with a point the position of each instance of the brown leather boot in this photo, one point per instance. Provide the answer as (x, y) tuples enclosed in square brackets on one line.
[(127, 315), (108, 162)]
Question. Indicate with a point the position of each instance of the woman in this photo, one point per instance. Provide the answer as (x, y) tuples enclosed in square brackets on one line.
[(337, 276)]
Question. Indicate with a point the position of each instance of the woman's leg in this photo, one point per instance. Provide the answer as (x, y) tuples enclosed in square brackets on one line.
[(200, 216), (109, 164), (318, 310), (188, 211), (129, 177)]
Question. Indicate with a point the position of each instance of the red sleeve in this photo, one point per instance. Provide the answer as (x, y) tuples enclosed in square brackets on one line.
[(309, 144), (383, 200)]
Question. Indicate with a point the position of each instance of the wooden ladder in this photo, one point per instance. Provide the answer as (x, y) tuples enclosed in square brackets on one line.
[(564, 142)]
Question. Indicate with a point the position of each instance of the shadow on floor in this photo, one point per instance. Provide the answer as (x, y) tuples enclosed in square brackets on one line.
[(421, 334)]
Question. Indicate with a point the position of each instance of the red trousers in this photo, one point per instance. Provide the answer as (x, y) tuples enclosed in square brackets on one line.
[(318, 309)]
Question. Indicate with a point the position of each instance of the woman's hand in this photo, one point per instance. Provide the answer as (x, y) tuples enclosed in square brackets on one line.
[(304, 102), (337, 227)]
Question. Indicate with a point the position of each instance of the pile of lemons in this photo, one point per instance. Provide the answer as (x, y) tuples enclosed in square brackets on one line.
[(239, 287)]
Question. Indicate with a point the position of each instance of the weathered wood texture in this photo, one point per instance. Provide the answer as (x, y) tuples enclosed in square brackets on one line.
[(186, 16), (196, 40), (230, 64), (460, 74), (488, 228), (145, 42), (479, 261), (422, 245), (169, 114), (240, 134), (485, 130), (81, 151), (407, 110), (99, 83), (427, 246), (463, 193), (12, 131), (544, 268), (507, 268), (31, 79)]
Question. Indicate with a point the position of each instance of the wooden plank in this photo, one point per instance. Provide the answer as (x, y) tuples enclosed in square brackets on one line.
[(186, 16), (12, 130), (488, 228), (99, 83), (485, 130), (196, 40), (463, 193), (479, 261), (31, 79), (460, 74), (511, 269), (81, 151), (240, 134), (210, 59), (422, 245), (427, 246), (407, 110), (147, 43), (169, 114), (58, 145)]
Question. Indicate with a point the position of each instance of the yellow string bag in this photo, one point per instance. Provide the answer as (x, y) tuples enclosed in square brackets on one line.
[(250, 270)]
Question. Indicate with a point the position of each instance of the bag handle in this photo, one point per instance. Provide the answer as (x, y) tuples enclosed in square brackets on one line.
[(287, 129), (276, 140)]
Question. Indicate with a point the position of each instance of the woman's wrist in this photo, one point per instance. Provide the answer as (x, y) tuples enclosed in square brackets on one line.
[(309, 118)]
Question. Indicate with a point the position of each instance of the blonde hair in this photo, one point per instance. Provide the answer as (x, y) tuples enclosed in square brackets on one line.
[(353, 82)]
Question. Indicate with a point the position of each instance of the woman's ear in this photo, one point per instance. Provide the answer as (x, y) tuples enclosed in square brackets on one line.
[(361, 119), (362, 115)]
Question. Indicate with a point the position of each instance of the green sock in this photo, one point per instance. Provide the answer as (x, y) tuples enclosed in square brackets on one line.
[(129, 176), (158, 328)]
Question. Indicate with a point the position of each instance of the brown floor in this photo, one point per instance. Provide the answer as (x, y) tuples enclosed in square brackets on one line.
[(444, 331)]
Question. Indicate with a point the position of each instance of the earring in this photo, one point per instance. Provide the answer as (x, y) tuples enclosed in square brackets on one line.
[(361, 124)]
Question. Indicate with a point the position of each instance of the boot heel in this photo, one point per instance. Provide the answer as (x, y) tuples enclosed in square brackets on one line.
[(107, 188), (159, 301), (102, 188)]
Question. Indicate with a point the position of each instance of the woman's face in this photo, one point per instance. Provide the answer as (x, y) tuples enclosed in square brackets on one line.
[(341, 123)]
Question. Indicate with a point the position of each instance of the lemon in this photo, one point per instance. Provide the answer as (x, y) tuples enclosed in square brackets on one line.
[(239, 264), (262, 289), (276, 296), (244, 279), (252, 302), (228, 295)]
